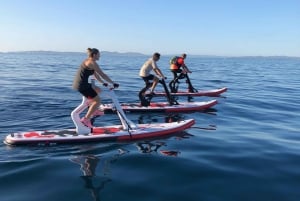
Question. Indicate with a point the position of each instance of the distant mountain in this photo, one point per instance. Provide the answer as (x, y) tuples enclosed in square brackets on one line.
[(58, 52), (39, 52), (123, 54)]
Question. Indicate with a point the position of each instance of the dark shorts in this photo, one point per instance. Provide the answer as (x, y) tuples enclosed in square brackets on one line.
[(148, 78), (89, 92), (176, 71), (178, 74)]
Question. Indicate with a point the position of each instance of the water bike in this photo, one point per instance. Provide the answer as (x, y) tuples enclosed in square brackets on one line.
[(191, 91), (146, 104), (126, 131)]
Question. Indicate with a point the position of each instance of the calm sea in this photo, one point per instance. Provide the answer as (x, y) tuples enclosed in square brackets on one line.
[(247, 148)]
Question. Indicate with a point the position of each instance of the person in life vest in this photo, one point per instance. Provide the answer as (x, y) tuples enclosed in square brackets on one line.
[(177, 65), (147, 67)]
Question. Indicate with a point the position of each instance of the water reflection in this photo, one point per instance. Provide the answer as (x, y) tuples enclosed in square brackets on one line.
[(149, 147), (153, 147), (88, 166), (167, 118)]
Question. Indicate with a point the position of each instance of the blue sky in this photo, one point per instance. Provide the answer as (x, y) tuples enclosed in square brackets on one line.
[(210, 27)]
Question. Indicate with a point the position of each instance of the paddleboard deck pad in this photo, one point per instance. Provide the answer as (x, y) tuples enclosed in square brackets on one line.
[(98, 134), (210, 93), (162, 107)]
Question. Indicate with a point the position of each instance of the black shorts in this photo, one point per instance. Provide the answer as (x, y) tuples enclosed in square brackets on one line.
[(148, 78), (176, 71), (89, 92)]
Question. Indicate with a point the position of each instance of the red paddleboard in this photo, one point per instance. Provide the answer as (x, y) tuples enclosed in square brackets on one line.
[(97, 134), (211, 93), (162, 107)]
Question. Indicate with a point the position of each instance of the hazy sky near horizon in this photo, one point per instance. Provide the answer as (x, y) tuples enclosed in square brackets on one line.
[(203, 27)]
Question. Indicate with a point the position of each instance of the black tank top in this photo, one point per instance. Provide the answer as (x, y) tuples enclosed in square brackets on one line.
[(81, 80)]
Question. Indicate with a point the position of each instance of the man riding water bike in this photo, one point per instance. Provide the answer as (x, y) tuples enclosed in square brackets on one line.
[(178, 68)]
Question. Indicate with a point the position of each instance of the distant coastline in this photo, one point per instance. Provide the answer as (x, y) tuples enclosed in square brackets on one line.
[(115, 53), (59, 52)]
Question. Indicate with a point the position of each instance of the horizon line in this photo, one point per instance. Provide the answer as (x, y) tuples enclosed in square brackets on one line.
[(138, 53)]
